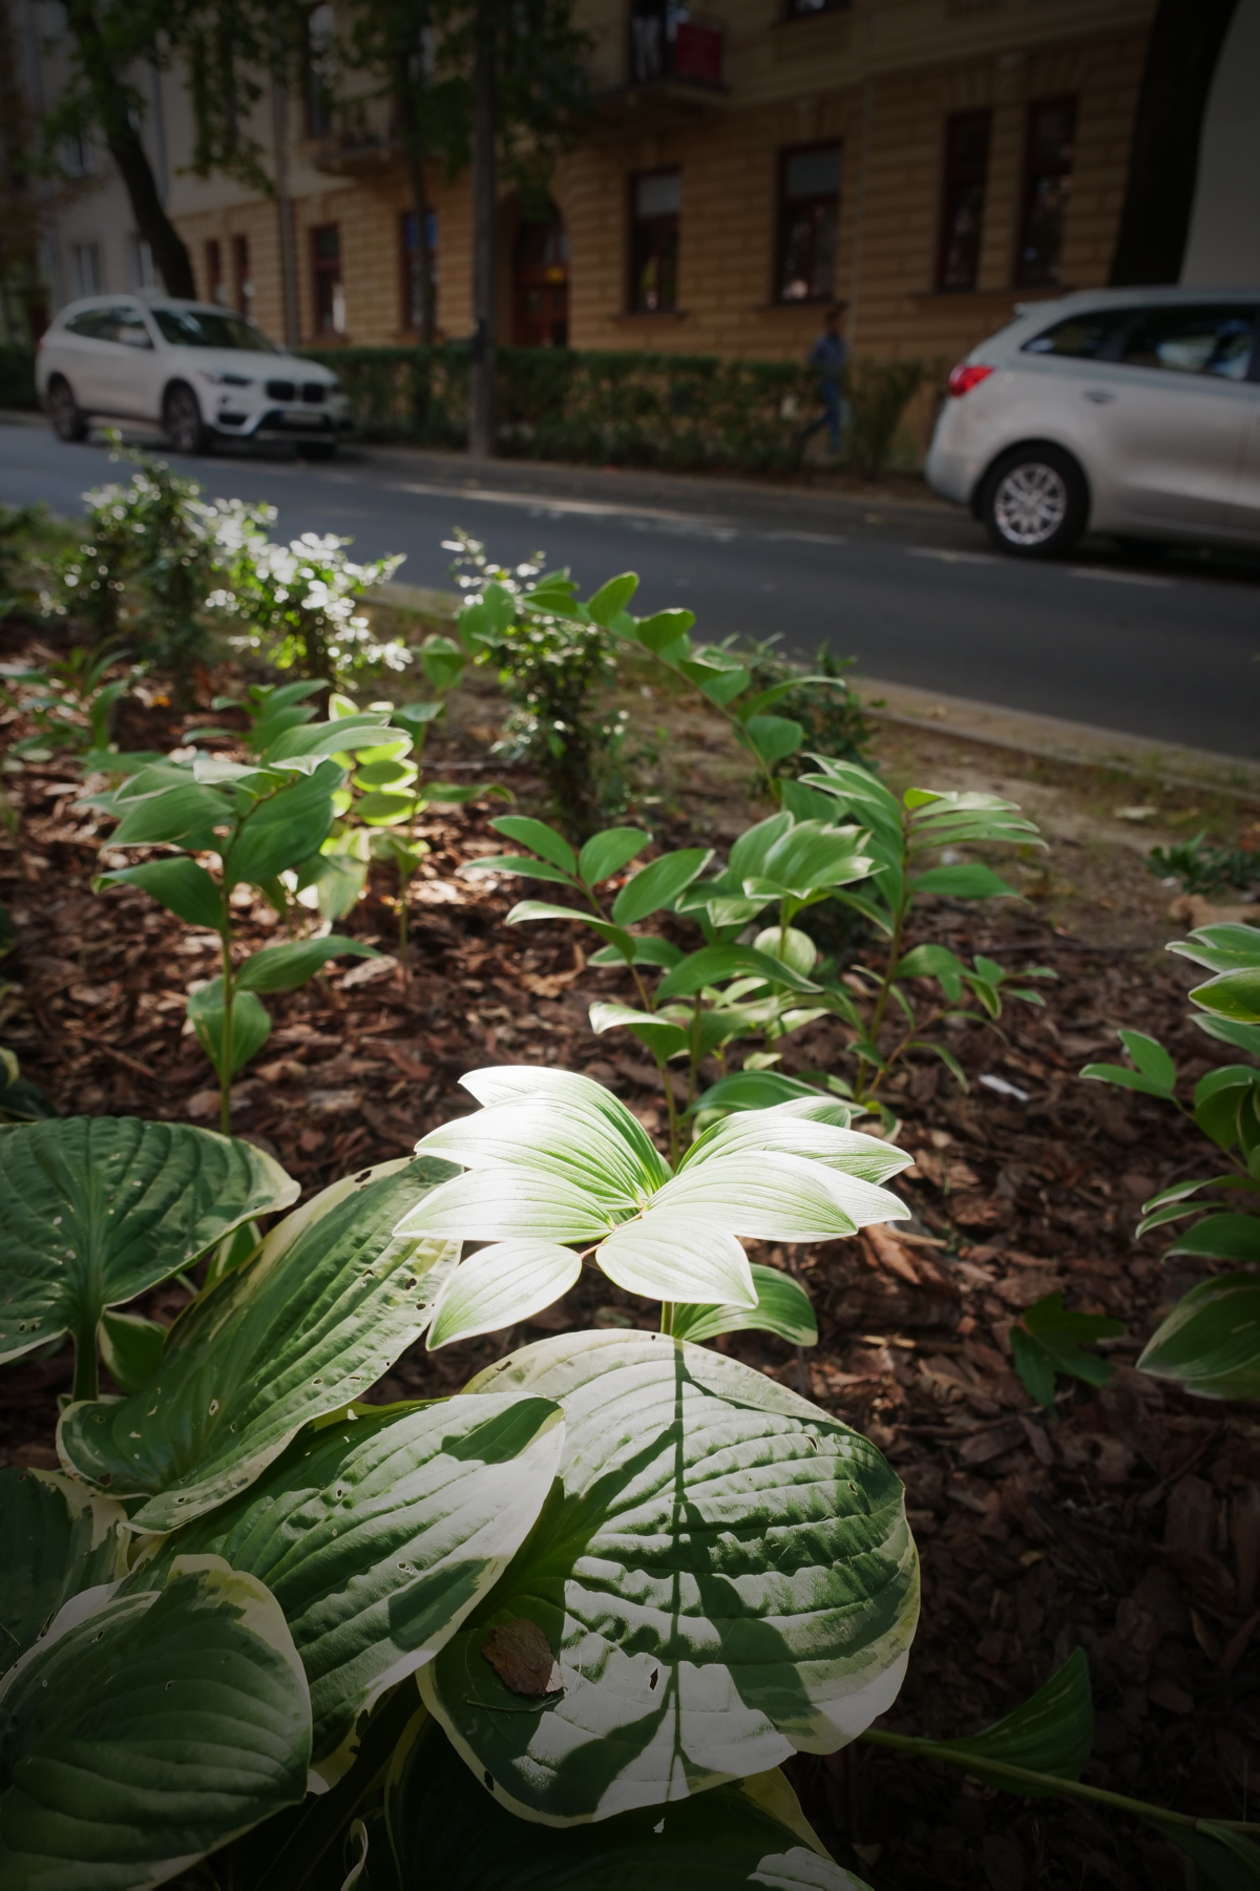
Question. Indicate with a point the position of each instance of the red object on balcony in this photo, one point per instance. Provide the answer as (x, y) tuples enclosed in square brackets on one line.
[(698, 53)]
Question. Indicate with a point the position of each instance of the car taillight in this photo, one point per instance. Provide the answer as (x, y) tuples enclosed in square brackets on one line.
[(966, 375)]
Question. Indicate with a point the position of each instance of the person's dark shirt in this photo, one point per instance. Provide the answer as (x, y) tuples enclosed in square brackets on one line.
[(828, 356)]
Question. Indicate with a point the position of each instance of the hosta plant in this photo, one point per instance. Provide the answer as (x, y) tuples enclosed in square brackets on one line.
[(1210, 1342), (252, 821), (557, 1630)]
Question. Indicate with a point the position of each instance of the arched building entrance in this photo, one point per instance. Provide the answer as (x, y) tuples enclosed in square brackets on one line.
[(540, 282)]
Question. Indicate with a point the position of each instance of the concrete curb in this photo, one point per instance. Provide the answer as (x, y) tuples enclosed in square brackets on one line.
[(1041, 738)]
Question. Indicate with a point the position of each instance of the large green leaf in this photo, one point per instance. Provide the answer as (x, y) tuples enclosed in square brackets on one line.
[(447, 1830), (285, 967), (724, 1574), (782, 1308), (59, 1538), (378, 1533), (179, 884), (251, 1026), (145, 1733), (1210, 1342), (96, 1209), (285, 829), (1051, 1732), (327, 1305)]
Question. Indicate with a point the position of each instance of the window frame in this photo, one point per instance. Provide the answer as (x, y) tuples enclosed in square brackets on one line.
[(90, 247), (635, 223), (793, 10), (786, 153), (214, 270), (319, 269), (972, 115), (318, 98), (242, 277), (1049, 101)]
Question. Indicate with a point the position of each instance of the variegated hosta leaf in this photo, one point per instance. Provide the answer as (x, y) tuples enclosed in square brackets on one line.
[(96, 1209), (147, 1730), (447, 1831), (724, 1575), (325, 1307), (816, 1127), (377, 1535), (59, 1538)]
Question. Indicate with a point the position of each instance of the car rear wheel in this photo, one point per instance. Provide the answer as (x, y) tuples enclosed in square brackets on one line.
[(69, 422), (1035, 502), (317, 449), (182, 422)]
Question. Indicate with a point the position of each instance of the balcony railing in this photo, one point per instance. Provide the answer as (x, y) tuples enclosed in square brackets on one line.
[(361, 139)]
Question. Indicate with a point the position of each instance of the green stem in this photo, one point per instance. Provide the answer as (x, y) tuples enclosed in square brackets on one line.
[(1023, 1776), (225, 1042), (87, 1368), (667, 1316)]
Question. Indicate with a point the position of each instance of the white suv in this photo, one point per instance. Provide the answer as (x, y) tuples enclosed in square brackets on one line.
[(1129, 411), (198, 371)]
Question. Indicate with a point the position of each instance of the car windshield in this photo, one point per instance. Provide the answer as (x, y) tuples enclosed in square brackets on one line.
[(211, 328)]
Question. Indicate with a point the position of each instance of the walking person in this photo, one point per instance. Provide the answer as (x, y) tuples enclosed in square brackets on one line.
[(828, 355)]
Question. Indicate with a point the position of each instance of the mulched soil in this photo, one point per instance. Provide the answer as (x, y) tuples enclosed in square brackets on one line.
[(1126, 1522)]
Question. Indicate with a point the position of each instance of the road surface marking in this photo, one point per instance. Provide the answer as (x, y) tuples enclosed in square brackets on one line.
[(951, 558), (1119, 577), (805, 538)]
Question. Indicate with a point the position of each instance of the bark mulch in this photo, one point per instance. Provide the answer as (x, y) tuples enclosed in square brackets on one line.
[(1126, 1521)]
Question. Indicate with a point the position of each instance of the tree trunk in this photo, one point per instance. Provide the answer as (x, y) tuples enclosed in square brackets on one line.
[(409, 105), (481, 427), (1181, 56), (109, 105)]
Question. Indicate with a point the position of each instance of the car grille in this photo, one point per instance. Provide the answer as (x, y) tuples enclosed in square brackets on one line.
[(313, 392), (281, 391)]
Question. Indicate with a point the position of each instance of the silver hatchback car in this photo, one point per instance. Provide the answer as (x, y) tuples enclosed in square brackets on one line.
[(1129, 411)]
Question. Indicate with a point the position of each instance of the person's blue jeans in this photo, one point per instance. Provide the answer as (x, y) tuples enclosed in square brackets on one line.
[(831, 417)]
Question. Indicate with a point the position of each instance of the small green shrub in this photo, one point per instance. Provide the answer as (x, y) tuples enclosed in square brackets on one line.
[(1204, 866), (878, 394), (299, 606)]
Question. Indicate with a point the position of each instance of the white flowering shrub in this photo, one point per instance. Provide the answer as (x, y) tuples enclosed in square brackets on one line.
[(300, 606)]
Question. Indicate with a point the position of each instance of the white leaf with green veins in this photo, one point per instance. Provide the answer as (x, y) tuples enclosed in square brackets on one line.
[(670, 1254), (504, 1082), (499, 1286), (552, 1134), (778, 1198), (97, 1209), (325, 1307), (724, 1575), (377, 1534), (147, 1730), (804, 1126), (503, 1204)]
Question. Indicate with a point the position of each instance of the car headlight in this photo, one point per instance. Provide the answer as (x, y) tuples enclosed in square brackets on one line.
[(224, 380)]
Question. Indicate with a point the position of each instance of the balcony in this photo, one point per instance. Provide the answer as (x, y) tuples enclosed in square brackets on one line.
[(674, 74), (360, 140)]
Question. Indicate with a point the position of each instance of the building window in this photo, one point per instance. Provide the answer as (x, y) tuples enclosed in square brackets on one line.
[(76, 155), (1047, 187), (242, 281), (85, 268), (655, 204), (214, 270), (408, 300), (809, 217), (317, 95), (808, 9), (328, 300), (143, 274), (962, 199)]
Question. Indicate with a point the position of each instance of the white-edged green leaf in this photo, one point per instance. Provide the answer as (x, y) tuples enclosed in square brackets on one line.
[(377, 1534), (499, 1286), (1210, 1342), (607, 853), (757, 1090), (970, 881), (654, 888), (723, 1575), (447, 1830), (782, 1308), (813, 1126), (790, 946), (675, 1255), (97, 1209), (1234, 995), (526, 911), (1124, 1079), (329, 1302), (499, 1083), (1227, 947), (251, 1025), (778, 1198), (180, 885), (662, 1036), (1151, 1059), (500, 1204), (59, 1539), (150, 1730), (714, 964), (522, 864), (285, 967), (1222, 1237), (569, 1136)]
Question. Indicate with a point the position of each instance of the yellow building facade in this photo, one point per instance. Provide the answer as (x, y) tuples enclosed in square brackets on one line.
[(925, 163)]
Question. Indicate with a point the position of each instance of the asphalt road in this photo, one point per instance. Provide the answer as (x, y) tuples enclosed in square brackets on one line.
[(1166, 652)]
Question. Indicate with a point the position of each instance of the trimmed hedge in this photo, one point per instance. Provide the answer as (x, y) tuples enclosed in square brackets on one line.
[(17, 377), (686, 412)]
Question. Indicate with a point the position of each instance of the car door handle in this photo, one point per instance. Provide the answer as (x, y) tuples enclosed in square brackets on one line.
[(1099, 394)]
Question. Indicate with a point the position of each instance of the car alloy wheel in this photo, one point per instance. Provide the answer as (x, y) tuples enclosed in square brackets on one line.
[(1030, 504)]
